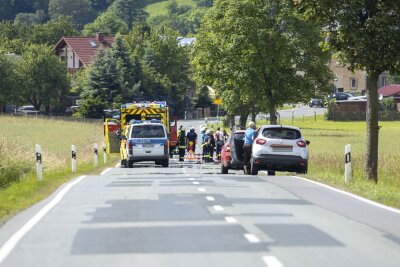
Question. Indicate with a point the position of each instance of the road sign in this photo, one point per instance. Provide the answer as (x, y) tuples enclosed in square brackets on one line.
[(218, 101)]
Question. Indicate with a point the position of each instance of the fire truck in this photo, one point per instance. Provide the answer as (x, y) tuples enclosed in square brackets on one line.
[(144, 111)]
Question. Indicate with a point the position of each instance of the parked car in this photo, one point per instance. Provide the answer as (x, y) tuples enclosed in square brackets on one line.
[(279, 148), (340, 96), (232, 152), (146, 141), (71, 110), (26, 110), (315, 102)]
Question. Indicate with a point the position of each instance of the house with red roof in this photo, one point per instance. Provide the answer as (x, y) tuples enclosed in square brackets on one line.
[(391, 90), (79, 51)]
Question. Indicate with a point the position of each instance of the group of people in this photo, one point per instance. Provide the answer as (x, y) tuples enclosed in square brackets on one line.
[(210, 142)]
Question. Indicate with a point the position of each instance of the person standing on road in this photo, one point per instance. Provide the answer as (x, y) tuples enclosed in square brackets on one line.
[(249, 136), (191, 140), (219, 140), (181, 143), (203, 140), (209, 145)]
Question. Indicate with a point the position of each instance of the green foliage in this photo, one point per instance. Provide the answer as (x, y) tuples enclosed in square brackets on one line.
[(102, 86), (7, 79), (52, 31), (108, 23), (259, 55), (41, 76), (203, 98), (393, 78), (130, 11), (31, 18), (388, 103), (81, 11)]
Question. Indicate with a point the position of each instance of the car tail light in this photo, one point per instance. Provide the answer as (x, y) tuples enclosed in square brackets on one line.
[(301, 144), (227, 148), (260, 141), (129, 145), (166, 148)]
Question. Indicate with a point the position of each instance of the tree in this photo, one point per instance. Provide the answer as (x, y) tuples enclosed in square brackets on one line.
[(42, 77), (103, 86), (203, 98), (31, 18), (366, 36), (261, 53), (7, 79), (80, 10), (108, 23), (130, 11), (52, 31)]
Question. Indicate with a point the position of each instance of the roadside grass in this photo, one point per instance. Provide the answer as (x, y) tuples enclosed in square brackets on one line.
[(18, 136), (160, 8), (326, 163)]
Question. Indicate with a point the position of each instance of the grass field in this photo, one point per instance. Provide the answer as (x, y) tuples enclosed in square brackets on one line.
[(18, 137), (160, 8), (326, 163)]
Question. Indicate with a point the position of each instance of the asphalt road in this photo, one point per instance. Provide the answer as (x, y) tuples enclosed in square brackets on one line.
[(191, 215)]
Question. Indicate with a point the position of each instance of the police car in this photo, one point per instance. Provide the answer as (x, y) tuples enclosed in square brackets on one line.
[(147, 141)]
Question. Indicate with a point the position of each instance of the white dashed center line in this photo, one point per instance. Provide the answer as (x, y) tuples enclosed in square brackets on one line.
[(201, 189), (196, 183), (191, 179), (210, 198), (272, 261), (230, 220), (252, 238), (218, 208)]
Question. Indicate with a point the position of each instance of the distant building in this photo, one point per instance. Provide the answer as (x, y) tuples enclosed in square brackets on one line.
[(352, 82), (79, 51), (185, 41)]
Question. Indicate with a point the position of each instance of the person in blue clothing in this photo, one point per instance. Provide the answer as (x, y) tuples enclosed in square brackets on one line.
[(249, 136)]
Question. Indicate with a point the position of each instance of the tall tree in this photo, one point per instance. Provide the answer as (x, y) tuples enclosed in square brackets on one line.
[(108, 23), (130, 11), (103, 86), (7, 79), (81, 11), (42, 77), (52, 31), (366, 36), (263, 52)]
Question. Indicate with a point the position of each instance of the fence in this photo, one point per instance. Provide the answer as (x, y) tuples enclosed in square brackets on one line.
[(384, 115)]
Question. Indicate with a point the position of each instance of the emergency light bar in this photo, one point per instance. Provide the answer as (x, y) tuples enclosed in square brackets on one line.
[(145, 104), (144, 122)]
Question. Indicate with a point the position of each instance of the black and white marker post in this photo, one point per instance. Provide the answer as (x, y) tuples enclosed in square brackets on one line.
[(347, 165), (105, 154), (96, 156), (39, 167), (73, 158)]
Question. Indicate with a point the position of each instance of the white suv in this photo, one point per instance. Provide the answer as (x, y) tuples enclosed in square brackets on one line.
[(279, 148), (147, 142)]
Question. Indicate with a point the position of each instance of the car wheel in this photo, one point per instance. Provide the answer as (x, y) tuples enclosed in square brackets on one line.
[(272, 173), (158, 162), (165, 163), (224, 170), (130, 164), (303, 170), (253, 167)]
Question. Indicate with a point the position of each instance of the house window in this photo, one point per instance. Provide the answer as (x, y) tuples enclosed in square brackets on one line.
[(384, 81), (353, 83)]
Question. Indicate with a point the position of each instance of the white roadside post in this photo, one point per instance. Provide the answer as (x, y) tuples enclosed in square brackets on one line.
[(105, 154), (73, 159), (39, 167), (347, 165), (96, 156)]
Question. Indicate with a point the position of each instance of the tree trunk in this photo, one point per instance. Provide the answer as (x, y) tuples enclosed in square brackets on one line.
[(243, 119), (273, 119), (231, 120), (371, 156), (254, 116)]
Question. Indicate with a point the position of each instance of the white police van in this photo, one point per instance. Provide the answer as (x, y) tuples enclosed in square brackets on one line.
[(147, 141)]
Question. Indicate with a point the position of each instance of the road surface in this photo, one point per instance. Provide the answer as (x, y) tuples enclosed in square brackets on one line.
[(191, 215)]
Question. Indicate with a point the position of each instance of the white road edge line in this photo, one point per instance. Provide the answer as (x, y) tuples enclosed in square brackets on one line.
[(201, 189), (373, 203), (118, 165), (105, 171), (272, 261), (230, 220), (218, 208), (11, 243), (210, 198), (252, 238)]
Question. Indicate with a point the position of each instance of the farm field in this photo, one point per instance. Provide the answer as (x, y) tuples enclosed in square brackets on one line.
[(19, 187), (326, 163)]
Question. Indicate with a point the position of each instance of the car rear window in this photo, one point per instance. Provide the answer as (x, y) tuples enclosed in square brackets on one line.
[(281, 133), (148, 131)]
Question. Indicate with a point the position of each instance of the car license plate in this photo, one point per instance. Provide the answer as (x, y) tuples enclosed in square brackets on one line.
[(147, 145)]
